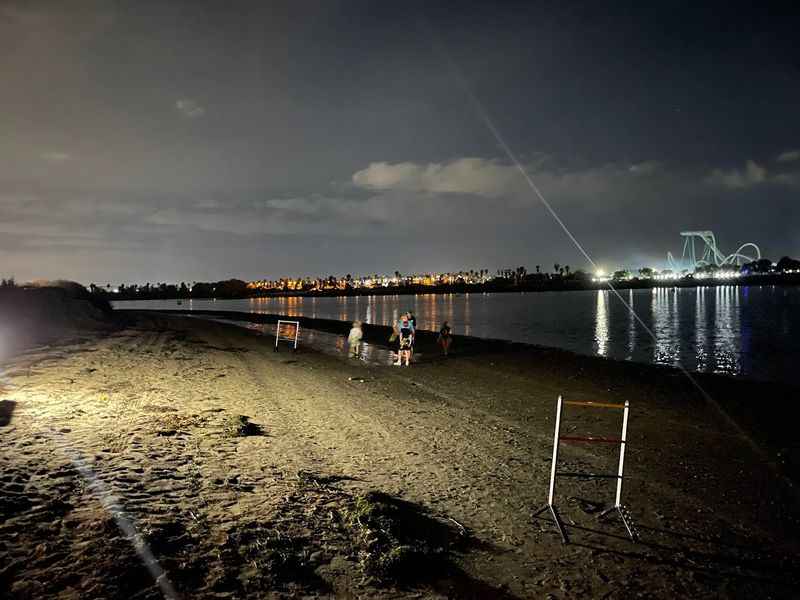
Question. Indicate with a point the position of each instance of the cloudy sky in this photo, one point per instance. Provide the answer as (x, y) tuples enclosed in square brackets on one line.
[(151, 141)]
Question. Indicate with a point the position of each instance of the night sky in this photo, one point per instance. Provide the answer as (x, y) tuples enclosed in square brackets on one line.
[(155, 141)]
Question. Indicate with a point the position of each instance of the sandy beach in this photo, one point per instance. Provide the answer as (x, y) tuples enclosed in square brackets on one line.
[(175, 457)]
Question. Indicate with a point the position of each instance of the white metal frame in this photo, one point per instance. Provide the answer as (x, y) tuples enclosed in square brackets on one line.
[(557, 437), (278, 336), (712, 255)]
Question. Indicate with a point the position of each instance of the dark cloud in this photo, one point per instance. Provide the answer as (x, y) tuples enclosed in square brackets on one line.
[(194, 141)]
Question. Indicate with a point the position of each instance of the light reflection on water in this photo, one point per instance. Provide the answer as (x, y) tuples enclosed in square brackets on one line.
[(751, 331), (601, 324)]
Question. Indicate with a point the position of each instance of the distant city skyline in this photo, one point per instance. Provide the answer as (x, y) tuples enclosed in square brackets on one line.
[(190, 141), (469, 276)]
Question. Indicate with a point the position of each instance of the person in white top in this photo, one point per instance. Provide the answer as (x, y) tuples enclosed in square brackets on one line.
[(354, 339)]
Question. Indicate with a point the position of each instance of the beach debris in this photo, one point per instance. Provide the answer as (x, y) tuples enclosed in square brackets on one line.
[(277, 556), (307, 477), (396, 539), (163, 423), (590, 507), (241, 426), (358, 379), (462, 530)]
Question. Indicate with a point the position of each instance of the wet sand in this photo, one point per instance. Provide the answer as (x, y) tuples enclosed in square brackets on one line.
[(125, 461)]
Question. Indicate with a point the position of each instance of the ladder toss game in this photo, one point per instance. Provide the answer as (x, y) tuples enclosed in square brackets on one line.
[(287, 331), (554, 473)]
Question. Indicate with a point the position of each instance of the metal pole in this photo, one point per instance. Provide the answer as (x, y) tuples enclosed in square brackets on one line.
[(551, 493), (622, 453), (557, 434)]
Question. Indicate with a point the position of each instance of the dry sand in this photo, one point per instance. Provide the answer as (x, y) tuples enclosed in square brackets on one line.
[(124, 443)]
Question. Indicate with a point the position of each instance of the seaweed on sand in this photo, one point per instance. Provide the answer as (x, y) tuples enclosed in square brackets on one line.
[(397, 540), (273, 556), (241, 426)]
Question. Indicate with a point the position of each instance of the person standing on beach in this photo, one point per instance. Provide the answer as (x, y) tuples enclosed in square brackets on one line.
[(406, 339), (395, 337), (354, 339), (413, 320), (445, 338)]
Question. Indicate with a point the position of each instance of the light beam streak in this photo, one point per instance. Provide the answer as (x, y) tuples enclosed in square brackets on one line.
[(111, 503), (484, 116)]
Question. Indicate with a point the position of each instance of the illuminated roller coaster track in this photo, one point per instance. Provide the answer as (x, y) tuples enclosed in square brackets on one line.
[(711, 253)]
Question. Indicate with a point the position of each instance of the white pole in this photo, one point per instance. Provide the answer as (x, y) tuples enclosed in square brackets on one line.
[(622, 453), (556, 435)]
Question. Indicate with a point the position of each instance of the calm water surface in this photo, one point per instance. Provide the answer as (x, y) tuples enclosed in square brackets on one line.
[(743, 331)]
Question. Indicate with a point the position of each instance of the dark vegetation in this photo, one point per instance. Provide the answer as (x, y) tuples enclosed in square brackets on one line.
[(561, 278), (39, 313), (13, 293), (230, 288), (397, 540)]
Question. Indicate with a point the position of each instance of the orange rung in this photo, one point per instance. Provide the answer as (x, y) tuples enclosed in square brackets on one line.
[(569, 438), (595, 404)]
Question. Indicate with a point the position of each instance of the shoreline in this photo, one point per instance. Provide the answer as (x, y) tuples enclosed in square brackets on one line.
[(456, 450), (426, 339), (373, 334)]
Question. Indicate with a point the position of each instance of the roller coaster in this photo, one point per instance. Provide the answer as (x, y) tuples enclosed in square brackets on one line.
[(711, 254)]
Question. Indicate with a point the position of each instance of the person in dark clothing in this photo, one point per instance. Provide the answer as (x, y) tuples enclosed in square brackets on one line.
[(412, 318), (445, 338)]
